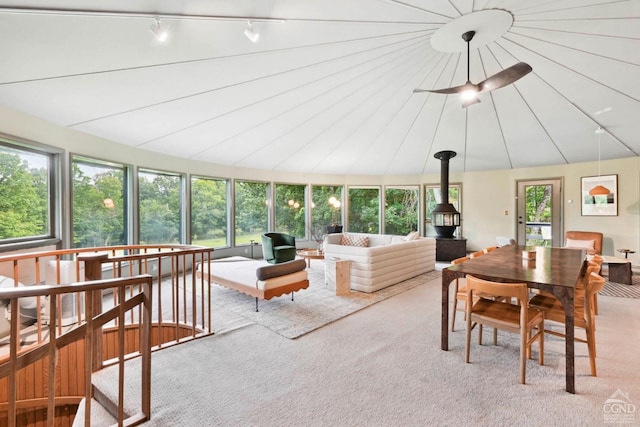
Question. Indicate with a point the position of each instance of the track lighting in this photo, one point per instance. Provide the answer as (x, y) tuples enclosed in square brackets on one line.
[(251, 33), (160, 31)]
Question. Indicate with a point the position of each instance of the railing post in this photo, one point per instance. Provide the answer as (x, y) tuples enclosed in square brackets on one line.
[(93, 271)]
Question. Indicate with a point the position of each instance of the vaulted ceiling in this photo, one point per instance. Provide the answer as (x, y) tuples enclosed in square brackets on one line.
[(328, 87)]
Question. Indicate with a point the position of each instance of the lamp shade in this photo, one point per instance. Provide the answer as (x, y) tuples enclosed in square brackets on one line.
[(599, 190)]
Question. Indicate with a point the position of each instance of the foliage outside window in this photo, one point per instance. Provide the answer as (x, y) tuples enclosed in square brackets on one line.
[(326, 208), (401, 209), (538, 204), (364, 210), (209, 206), (433, 196), (160, 202), (98, 204), (251, 211), (290, 209), (24, 194)]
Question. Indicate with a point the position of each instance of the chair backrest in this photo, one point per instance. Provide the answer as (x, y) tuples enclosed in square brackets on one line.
[(459, 260), (476, 285), (590, 240), (593, 285), (489, 249), (476, 254)]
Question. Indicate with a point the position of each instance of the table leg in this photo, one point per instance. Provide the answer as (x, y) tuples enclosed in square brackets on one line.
[(566, 297), (447, 278)]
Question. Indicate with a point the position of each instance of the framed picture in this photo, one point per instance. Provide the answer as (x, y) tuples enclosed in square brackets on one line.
[(595, 202)]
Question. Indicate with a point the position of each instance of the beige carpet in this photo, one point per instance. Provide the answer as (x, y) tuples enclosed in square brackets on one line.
[(312, 308), (383, 366)]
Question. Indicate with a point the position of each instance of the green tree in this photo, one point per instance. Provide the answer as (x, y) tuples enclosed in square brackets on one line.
[(208, 209), (98, 206), (401, 210), (364, 210), (23, 198), (290, 209), (251, 209), (160, 202)]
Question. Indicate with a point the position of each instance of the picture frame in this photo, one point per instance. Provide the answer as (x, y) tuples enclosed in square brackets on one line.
[(599, 205)]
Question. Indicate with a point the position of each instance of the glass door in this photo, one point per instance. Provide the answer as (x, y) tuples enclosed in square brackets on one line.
[(539, 210)]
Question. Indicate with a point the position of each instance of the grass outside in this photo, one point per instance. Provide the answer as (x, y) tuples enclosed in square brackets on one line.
[(221, 242)]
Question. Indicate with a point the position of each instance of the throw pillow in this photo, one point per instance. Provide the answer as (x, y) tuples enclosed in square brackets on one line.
[(354, 240), (412, 236), (580, 244)]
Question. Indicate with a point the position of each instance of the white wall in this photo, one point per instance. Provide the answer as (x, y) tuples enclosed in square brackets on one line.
[(485, 195)]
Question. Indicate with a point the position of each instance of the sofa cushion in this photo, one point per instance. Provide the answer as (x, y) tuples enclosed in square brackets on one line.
[(354, 240), (412, 236), (269, 271)]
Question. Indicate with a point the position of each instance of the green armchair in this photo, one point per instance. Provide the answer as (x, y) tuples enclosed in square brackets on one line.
[(278, 247)]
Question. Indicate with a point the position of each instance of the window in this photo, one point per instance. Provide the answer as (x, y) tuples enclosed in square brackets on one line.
[(401, 209), (25, 192), (251, 211), (364, 210), (99, 203), (433, 197), (326, 208), (290, 209), (160, 201), (209, 220)]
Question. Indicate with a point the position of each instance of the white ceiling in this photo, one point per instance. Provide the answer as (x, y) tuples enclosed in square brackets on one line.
[(329, 90)]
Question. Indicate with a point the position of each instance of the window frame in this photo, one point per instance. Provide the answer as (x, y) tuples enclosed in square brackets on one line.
[(55, 194)]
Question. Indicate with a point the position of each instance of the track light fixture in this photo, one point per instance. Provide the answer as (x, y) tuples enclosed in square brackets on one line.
[(161, 32), (251, 33)]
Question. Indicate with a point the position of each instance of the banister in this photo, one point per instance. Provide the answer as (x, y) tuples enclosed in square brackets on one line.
[(187, 314)]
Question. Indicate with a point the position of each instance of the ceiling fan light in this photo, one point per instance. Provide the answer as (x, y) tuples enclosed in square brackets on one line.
[(599, 190), (469, 94), (250, 33)]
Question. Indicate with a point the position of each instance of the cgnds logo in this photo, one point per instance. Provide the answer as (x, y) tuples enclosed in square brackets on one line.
[(619, 409)]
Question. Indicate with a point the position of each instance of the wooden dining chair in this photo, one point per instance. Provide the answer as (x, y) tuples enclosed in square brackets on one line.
[(584, 314), (489, 249), (459, 292), (476, 254), (520, 319)]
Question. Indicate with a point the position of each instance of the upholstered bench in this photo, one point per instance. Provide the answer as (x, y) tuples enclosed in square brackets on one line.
[(256, 278)]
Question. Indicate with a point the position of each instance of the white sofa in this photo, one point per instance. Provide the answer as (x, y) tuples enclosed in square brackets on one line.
[(386, 261)]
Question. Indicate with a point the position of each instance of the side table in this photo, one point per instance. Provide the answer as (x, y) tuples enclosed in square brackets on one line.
[(448, 249), (626, 252)]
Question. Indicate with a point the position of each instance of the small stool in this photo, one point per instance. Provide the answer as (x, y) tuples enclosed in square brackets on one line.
[(620, 272), (626, 252)]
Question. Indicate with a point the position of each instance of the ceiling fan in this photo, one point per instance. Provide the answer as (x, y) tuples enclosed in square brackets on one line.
[(469, 91)]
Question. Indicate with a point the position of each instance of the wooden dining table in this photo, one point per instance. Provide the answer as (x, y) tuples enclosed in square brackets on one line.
[(555, 270)]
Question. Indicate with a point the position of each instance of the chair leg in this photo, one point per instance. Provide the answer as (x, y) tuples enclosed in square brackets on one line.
[(523, 356), (541, 344), (495, 336), (467, 346), (591, 347), (480, 333), (453, 314)]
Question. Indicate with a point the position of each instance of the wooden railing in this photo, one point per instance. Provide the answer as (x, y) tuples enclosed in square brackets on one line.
[(89, 331), (99, 321)]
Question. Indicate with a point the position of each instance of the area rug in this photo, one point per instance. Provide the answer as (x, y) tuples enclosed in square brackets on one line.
[(312, 308), (614, 289)]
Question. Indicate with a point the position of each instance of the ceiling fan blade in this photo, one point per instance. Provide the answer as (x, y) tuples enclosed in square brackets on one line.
[(450, 90), (505, 77)]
